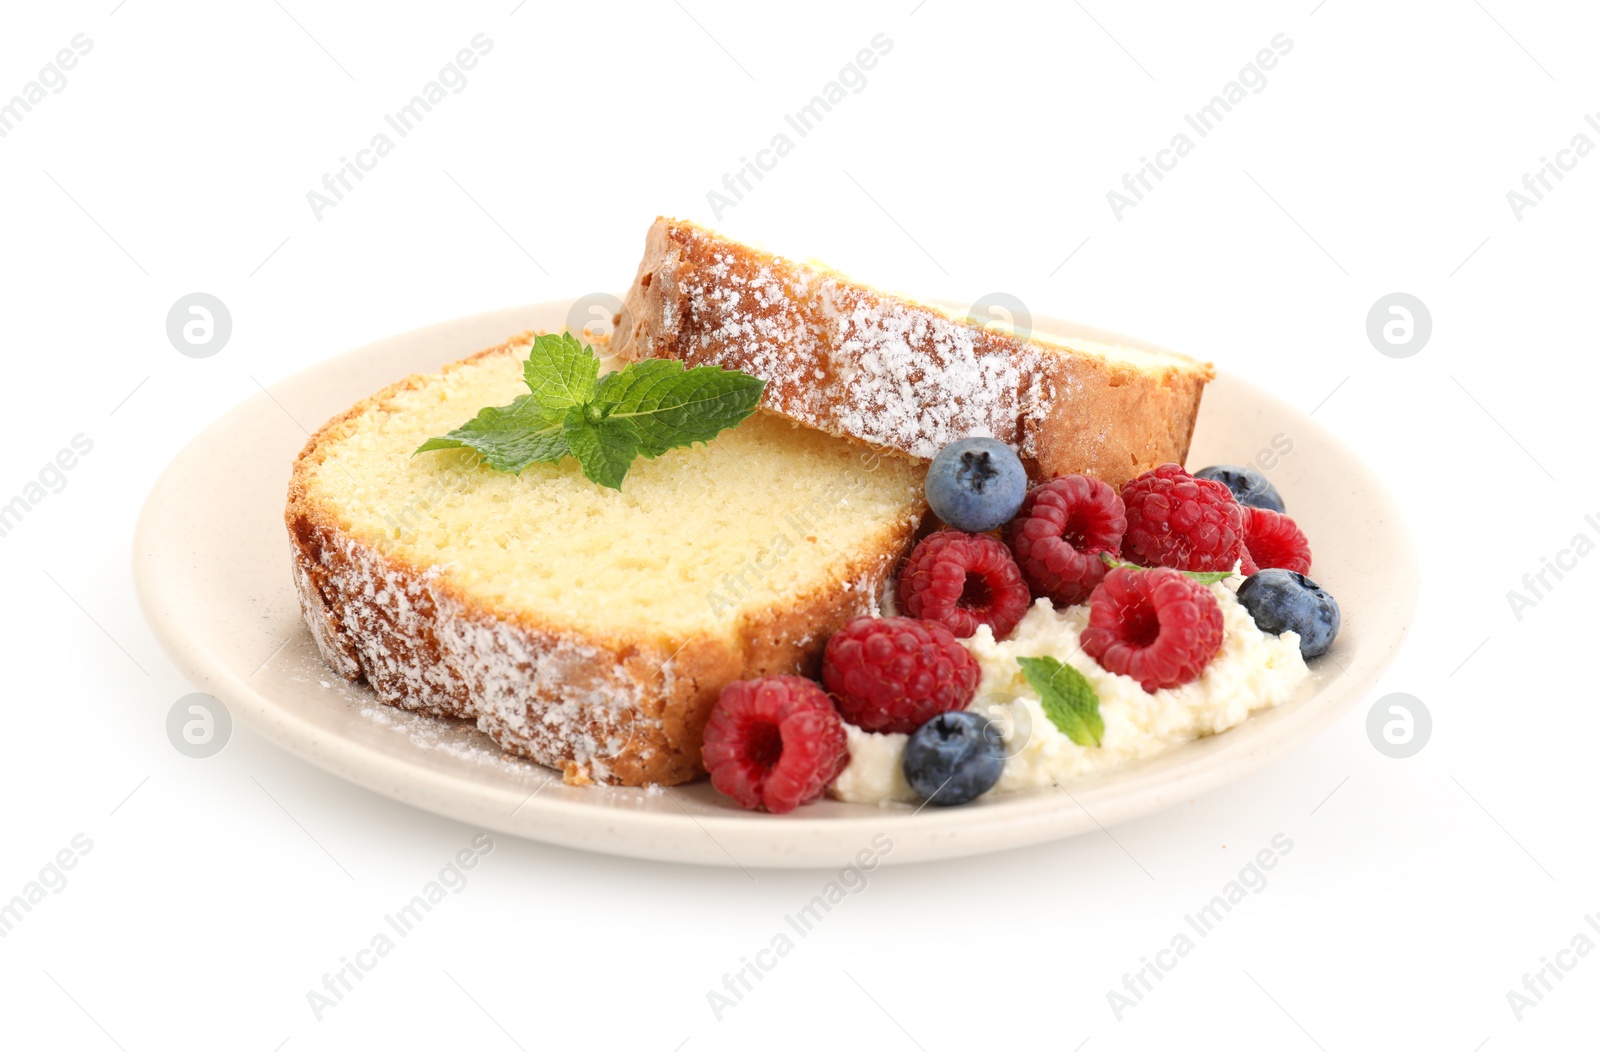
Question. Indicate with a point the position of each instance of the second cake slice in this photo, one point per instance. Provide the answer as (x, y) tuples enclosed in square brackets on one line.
[(851, 361)]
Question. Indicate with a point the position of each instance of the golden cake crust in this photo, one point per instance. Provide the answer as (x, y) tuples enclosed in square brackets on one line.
[(599, 707), (851, 361)]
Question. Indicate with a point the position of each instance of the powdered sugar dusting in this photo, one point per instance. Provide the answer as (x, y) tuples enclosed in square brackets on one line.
[(459, 739), (541, 695), (848, 361), (335, 650), (451, 738), (588, 708), (385, 623), (917, 381)]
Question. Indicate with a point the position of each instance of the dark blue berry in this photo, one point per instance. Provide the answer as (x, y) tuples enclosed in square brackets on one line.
[(976, 484), (953, 758), (1249, 486), (1285, 601)]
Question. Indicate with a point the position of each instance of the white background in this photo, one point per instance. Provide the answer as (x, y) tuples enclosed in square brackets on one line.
[(977, 158)]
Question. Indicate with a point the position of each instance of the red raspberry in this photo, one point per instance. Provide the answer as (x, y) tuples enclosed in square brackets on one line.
[(1158, 626), (893, 674), (1273, 541), (774, 743), (1059, 533), (963, 580), (1177, 520)]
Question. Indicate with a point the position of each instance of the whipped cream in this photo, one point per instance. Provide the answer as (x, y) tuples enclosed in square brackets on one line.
[(1252, 671)]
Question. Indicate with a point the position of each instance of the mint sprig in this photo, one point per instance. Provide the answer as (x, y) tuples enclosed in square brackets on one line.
[(606, 422), (1203, 576), (1067, 697)]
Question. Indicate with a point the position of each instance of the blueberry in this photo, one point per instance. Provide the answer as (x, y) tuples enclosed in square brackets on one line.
[(1249, 486), (1285, 601), (976, 484), (953, 758)]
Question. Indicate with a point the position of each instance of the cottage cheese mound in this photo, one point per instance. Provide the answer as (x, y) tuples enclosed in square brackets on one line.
[(1252, 671)]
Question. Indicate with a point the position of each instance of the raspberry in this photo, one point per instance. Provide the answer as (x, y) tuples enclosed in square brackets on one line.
[(1177, 520), (1273, 542), (774, 743), (1059, 533), (1158, 626), (893, 674), (963, 580)]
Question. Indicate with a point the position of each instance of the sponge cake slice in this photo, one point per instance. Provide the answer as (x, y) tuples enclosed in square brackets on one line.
[(851, 361), (586, 628)]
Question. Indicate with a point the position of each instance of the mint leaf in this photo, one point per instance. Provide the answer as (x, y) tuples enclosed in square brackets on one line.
[(672, 406), (1067, 698), (509, 438), (560, 371), (604, 446), (1203, 576), (646, 409)]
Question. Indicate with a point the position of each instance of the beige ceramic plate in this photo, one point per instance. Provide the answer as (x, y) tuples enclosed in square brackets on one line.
[(211, 561)]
